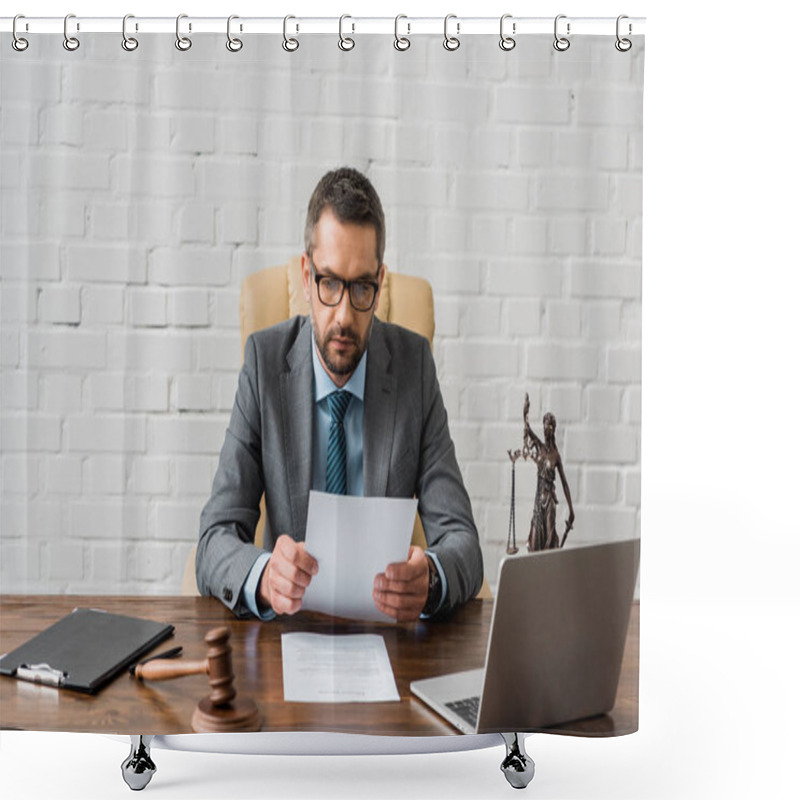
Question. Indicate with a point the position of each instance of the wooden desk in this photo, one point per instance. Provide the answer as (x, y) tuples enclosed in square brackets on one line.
[(127, 706)]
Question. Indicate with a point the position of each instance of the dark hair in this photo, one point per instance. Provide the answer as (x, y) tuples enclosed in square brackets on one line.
[(352, 198)]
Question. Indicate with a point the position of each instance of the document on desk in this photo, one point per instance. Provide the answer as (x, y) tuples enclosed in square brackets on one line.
[(351, 668), (354, 539)]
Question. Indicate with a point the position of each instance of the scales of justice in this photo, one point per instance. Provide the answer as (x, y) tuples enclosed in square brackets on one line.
[(543, 534)]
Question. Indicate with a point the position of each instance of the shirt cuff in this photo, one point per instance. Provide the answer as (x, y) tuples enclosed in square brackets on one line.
[(251, 587), (442, 578)]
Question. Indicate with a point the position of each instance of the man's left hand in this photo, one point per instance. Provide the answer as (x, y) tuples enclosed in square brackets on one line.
[(401, 591)]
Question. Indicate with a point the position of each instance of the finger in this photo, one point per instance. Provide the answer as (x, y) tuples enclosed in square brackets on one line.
[(285, 605), (305, 560), (400, 601), (295, 552), (399, 615), (406, 571), (284, 587), (415, 586), (290, 572)]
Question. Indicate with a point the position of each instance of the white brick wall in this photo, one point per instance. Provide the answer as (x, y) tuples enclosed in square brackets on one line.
[(135, 199)]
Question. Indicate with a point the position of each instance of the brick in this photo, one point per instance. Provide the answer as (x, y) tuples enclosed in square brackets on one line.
[(141, 175), (103, 519), (112, 391), (603, 403), (105, 475), (534, 148), (325, 137), (362, 97), (186, 434), (190, 267), (447, 314), (68, 170), (564, 402), (601, 486), (147, 307), (60, 304), (30, 432), (615, 107), (32, 261), (410, 141), (224, 391), (145, 350), (192, 133), (20, 474), (483, 402), (633, 487), (235, 179), (191, 392), (529, 104), (523, 317), (9, 348), (528, 236), (239, 223), (105, 264), (62, 393), (450, 231), (611, 149), (602, 280), (279, 137), (478, 359), (537, 278), (66, 349), (108, 564), (625, 364), (609, 236), (568, 236), (601, 320), (480, 317), (197, 223), (17, 301), (105, 130), (632, 404), (239, 135), (19, 125), (563, 319), (482, 480), (571, 362), (31, 519), (465, 436), (178, 521), (496, 438), (612, 445), (491, 190), (628, 192), (63, 214), (89, 83), (63, 561), (62, 124), (102, 305), (150, 132), (105, 434), (450, 276), (20, 565), (149, 476), (571, 192), (151, 562), (63, 475), (222, 351), (194, 475), (20, 390), (593, 525), (411, 187), (188, 307), (10, 170)]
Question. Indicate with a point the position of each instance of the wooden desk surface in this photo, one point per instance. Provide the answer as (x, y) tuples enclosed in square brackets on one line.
[(128, 706)]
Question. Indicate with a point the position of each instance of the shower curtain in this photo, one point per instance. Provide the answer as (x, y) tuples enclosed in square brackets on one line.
[(140, 188)]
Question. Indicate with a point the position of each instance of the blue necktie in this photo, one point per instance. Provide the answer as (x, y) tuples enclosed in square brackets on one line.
[(336, 470)]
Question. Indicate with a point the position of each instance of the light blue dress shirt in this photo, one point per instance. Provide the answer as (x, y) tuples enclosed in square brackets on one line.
[(354, 435)]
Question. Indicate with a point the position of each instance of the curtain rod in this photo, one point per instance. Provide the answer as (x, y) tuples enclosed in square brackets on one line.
[(349, 25)]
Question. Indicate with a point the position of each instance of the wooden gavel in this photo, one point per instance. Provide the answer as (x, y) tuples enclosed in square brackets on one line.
[(218, 666), (217, 712)]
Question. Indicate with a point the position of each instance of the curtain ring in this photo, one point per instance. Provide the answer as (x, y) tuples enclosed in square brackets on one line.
[(451, 42), (507, 42), (289, 44), (18, 43), (561, 43), (183, 43), (345, 42), (401, 42), (70, 42), (233, 44), (623, 45), (129, 43)]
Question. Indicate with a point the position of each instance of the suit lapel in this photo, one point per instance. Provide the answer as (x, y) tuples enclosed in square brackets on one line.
[(297, 406), (380, 405)]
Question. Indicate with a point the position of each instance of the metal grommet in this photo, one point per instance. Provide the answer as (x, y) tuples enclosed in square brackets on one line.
[(451, 42), (70, 42), (507, 42), (561, 43), (233, 44), (18, 43), (345, 42), (289, 44), (128, 42), (183, 43), (401, 42), (623, 45)]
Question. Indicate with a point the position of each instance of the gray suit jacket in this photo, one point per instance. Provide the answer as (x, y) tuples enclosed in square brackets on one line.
[(407, 452)]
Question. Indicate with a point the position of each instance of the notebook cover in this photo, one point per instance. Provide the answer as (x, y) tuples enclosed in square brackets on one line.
[(89, 647)]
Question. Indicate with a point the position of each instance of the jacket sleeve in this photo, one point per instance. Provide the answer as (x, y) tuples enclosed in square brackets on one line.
[(226, 550), (444, 505)]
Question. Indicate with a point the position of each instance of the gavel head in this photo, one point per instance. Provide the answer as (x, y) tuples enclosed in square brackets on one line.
[(220, 666)]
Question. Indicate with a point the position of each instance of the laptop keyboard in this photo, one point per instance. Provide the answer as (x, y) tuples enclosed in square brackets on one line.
[(467, 709)]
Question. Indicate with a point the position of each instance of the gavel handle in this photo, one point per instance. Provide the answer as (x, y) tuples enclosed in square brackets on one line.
[(164, 670)]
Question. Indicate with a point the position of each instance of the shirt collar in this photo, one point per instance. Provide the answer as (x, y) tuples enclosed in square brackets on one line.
[(323, 385)]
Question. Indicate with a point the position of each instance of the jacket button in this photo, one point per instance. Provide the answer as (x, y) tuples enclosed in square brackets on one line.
[(228, 595)]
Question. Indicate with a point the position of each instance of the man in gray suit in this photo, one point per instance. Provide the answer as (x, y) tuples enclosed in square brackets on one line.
[(341, 402)]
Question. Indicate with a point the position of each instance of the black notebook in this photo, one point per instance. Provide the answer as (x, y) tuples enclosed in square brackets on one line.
[(84, 650)]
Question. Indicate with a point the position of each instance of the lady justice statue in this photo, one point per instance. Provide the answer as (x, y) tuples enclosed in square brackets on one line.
[(543, 535)]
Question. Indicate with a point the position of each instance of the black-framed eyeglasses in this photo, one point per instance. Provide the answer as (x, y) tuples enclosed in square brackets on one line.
[(330, 290)]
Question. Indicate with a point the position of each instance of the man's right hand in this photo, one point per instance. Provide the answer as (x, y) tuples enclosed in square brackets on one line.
[(288, 572)]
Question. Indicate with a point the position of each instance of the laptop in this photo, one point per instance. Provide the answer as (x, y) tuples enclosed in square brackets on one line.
[(557, 637)]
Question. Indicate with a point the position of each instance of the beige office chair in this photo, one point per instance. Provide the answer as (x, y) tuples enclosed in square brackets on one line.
[(274, 294)]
